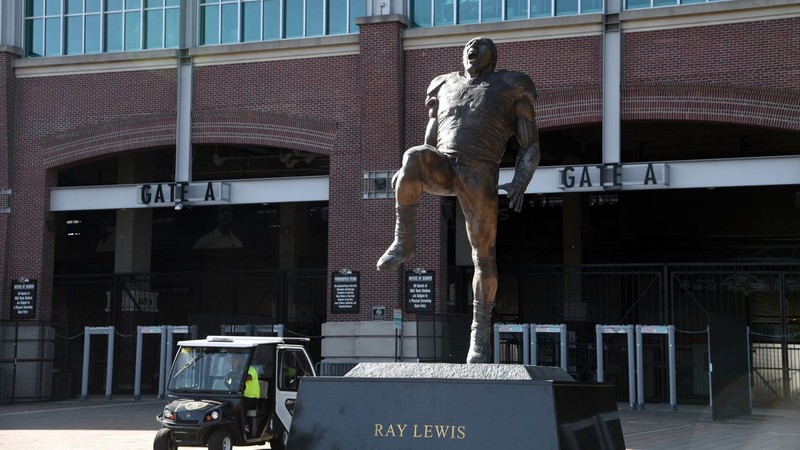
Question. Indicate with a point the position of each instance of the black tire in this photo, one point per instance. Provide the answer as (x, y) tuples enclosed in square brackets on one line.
[(220, 440), (164, 440)]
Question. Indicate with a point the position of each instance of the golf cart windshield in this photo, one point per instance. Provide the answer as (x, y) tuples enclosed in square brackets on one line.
[(209, 370)]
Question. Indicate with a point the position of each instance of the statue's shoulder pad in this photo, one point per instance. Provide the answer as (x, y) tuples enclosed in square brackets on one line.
[(517, 78), (437, 82), (520, 82)]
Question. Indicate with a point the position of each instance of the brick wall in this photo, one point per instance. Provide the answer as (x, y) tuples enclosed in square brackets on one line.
[(743, 73), (63, 119), (6, 121), (364, 111), (762, 53)]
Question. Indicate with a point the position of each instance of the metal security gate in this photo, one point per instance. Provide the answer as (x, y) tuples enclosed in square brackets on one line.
[(295, 298), (767, 296), (26, 361)]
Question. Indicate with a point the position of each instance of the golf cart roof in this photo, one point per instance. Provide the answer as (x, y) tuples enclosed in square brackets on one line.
[(240, 341)]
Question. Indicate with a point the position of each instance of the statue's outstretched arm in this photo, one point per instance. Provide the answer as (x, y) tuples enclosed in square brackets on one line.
[(528, 157)]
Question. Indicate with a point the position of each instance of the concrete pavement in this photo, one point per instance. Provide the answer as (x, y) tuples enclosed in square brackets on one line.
[(124, 424), (691, 427)]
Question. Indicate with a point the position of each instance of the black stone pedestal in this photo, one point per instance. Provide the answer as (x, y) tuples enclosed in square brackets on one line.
[(451, 406)]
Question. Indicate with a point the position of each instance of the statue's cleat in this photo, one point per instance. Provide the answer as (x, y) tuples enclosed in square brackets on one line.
[(479, 341), (477, 355), (393, 258)]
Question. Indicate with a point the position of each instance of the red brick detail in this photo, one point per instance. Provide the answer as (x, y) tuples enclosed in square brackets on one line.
[(107, 139), (264, 128), (761, 53), (742, 105), (569, 106)]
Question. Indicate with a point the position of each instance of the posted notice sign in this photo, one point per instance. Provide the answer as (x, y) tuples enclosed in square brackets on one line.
[(420, 291), (344, 292), (23, 299)]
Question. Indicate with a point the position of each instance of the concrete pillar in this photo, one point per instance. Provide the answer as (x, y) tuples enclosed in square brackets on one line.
[(612, 81), (11, 23), (133, 239), (574, 307), (572, 231), (289, 233), (183, 135), (384, 7)]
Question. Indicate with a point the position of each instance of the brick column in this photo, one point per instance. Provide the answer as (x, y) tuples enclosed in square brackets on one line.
[(26, 244), (362, 229), (7, 58), (382, 68)]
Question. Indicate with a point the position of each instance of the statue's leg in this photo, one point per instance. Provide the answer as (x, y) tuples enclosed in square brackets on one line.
[(422, 165), (405, 232), (478, 199), (484, 285)]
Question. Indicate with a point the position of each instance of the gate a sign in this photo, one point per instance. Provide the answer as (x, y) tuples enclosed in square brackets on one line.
[(23, 299)]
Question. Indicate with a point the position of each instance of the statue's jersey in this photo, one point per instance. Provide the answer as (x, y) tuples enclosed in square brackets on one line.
[(476, 117)]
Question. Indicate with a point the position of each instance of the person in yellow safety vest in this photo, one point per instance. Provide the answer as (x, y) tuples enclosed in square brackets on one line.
[(251, 386), (252, 390)]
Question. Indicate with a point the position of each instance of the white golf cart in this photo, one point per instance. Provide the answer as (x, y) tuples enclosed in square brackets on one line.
[(232, 390)]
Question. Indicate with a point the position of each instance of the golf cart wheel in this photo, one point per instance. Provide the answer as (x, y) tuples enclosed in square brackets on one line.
[(164, 441), (220, 440)]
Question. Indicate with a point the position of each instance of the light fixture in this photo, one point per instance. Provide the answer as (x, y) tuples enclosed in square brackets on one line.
[(178, 206)]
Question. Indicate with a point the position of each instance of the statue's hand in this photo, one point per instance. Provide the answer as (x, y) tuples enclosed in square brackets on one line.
[(516, 195)]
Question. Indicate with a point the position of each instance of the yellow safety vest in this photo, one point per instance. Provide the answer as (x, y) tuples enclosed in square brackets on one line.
[(251, 387)]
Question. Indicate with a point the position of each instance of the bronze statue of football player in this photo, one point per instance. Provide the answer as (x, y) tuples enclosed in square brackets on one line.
[(472, 116)]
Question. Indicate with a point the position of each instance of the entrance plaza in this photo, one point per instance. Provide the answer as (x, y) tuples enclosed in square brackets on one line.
[(213, 164), (124, 424)]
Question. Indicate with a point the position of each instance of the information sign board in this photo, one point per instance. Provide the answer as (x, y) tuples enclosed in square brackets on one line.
[(23, 299), (345, 291), (420, 291)]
